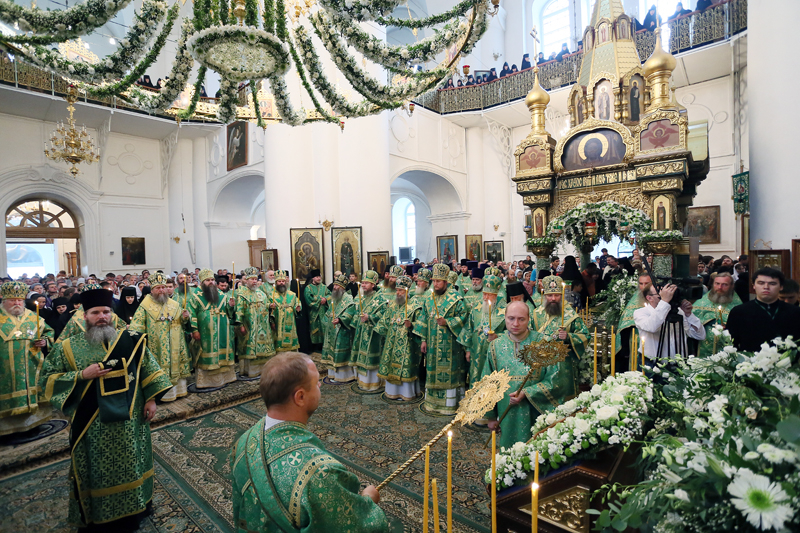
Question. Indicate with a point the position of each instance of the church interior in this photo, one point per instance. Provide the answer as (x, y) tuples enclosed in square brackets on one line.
[(527, 263)]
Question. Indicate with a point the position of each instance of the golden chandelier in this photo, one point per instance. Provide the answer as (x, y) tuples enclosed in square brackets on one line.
[(69, 144)]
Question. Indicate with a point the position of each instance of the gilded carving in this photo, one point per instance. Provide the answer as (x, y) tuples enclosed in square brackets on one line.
[(630, 196), (535, 185), (659, 169), (662, 185), (536, 199), (566, 509), (547, 149), (674, 117), (589, 125)]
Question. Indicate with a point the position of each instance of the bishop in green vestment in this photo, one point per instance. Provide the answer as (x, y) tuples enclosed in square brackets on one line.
[(317, 296), (486, 320), (163, 321), (106, 382), (339, 324), (22, 406), (547, 388), (367, 343), (713, 308), (283, 478), (252, 326), (400, 359), (473, 294), (284, 307), (268, 286), (423, 289), (211, 312), (439, 325)]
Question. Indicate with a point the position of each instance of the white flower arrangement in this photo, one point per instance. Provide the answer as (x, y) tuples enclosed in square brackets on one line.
[(611, 413), (659, 235), (608, 215), (58, 25), (226, 112), (132, 48), (361, 10)]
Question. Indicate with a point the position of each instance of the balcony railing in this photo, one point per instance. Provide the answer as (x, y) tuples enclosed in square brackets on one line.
[(696, 29)]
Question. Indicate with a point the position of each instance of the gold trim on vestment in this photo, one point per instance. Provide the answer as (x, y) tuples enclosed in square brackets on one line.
[(108, 491), (146, 381), (300, 484)]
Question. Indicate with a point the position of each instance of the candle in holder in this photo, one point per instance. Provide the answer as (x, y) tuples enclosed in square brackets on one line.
[(613, 352), (719, 313), (490, 316), (37, 321), (435, 506), (595, 357), (494, 482), (233, 280), (425, 490), (535, 496), (563, 303), (449, 482), (643, 356)]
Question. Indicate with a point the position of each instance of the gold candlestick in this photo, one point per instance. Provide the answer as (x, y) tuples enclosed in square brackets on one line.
[(449, 482)]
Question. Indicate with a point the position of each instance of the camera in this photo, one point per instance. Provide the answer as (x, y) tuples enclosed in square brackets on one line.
[(688, 288)]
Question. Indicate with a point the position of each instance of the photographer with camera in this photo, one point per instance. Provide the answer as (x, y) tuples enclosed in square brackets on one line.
[(664, 325)]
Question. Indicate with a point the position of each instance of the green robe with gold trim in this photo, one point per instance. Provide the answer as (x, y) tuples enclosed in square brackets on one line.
[(475, 335), (252, 312), (577, 335), (313, 295), (77, 324), (367, 343), (709, 314), (213, 321), (112, 462), (547, 388), (165, 336), (285, 481), (21, 362), (472, 296), (399, 362), (338, 344), (267, 289), (445, 362), (284, 315)]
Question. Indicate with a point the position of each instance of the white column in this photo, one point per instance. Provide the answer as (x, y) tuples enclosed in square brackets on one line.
[(476, 204), (773, 184), (179, 185), (201, 243), (495, 191)]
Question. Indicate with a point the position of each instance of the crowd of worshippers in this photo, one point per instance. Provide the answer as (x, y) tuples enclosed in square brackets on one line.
[(651, 21)]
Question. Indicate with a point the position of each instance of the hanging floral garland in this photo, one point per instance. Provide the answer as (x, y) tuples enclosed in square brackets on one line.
[(185, 114), (228, 94), (227, 49), (131, 49), (113, 89), (458, 11), (59, 25), (301, 71), (278, 87), (608, 216), (362, 11)]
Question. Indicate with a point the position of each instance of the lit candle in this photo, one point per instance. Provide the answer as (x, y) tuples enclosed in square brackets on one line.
[(425, 490), (37, 320), (494, 482), (184, 292), (361, 299), (563, 303), (719, 311), (595, 357), (435, 506), (405, 311), (449, 482), (613, 352), (490, 316), (643, 356), (535, 496)]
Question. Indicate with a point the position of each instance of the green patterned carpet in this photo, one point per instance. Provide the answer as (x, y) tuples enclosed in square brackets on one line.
[(192, 494)]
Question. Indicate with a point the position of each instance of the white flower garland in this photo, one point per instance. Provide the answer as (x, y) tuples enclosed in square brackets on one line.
[(278, 87), (58, 25), (228, 92), (613, 412), (361, 10), (131, 50), (603, 212), (261, 50), (181, 68)]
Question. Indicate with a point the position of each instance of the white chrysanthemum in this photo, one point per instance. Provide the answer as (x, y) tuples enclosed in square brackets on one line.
[(760, 500)]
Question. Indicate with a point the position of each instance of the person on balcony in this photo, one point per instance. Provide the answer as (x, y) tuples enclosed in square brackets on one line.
[(470, 81), (514, 69), (450, 84), (651, 21), (564, 52), (540, 59), (679, 11), (460, 83), (702, 5), (492, 74), (526, 61), (485, 78), (505, 71), (552, 57)]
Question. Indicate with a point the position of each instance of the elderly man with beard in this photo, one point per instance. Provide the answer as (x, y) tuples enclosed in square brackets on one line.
[(21, 359), (77, 324), (284, 307), (486, 319), (474, 294), (423, 289), (400, 359), (390, 283), (270, 278), (252, 318), (182, 290), (547, 320), (163, 321), (367, 344), (107, 382), (316, 296), (211, 313), (713, 308), (439, 325), (338, 324), (464, 269)]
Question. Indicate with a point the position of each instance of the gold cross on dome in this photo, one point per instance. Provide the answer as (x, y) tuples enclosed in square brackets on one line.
[(535, 35)]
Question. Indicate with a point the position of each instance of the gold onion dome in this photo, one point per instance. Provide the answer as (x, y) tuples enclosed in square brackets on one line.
[(659, 60), (537, 94)]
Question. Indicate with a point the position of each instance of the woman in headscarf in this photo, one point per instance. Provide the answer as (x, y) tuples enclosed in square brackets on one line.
[(470, 80), (159, 83), (450, 84), (571, 271), (145, 292), (526, 62), (540, 59), (203, 93), (128, 304), (146, 82), (460, 83), (505, 71), (514, 69), (492, 74), (485, 78), (679, 11), (564, 52), (651, 21)]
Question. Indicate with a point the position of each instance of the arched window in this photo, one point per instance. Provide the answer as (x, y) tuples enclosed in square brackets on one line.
[(555, 26), (404, 224), (40, 218), (41, 237)]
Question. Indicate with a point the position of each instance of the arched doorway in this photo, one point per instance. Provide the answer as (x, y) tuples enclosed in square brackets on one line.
[(41, 237)]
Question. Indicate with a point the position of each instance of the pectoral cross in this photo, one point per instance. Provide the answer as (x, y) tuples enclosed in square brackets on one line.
[(535, 36)]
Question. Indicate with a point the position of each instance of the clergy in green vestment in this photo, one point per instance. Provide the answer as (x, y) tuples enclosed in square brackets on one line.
[(252, 326), (473, 294), (268, 286), (284, 480), (400, 359), (22, 406), (439, 325), (464, 281), (106, 381), (163, 321), (485, 321), (211, 313), (77, 324), (626, 325), (713, 308), (284, 307), (367, 343), (497, 271), (423, 289), (547, 388), (339, 324), (316, 295), (182, 291)]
